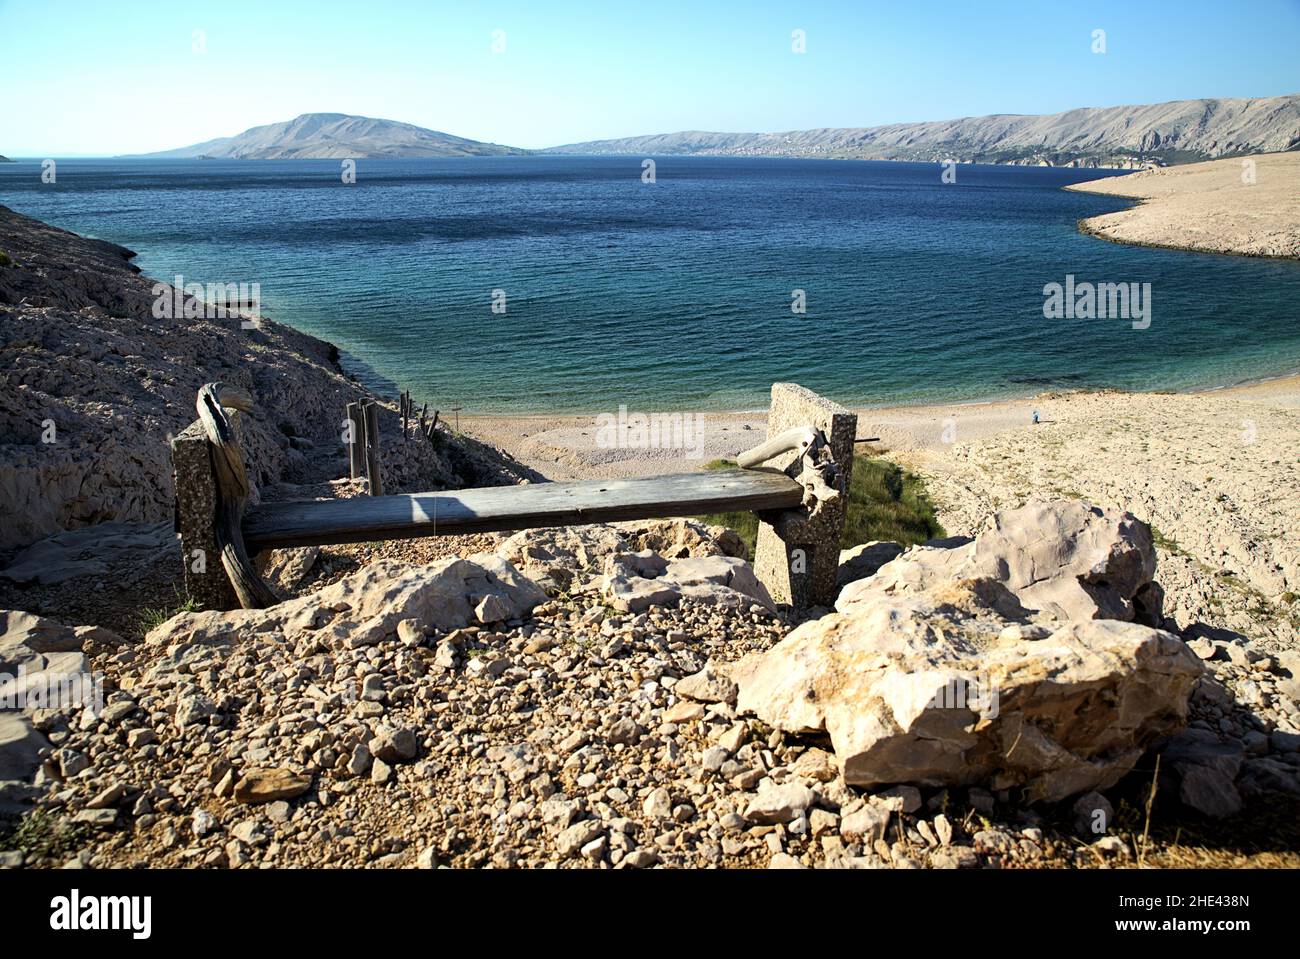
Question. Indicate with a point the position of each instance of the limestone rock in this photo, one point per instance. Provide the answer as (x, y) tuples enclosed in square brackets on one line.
[(553, 557), (268, 785), (778, 802), (865, 559), (681, 538), (394, 745), (921, 689), (1204, 771), (376, 598), (1066, 560), (493, 608), (24, 634), (92, 551), (286, 568), (709, 685), (20, 746), (724, 580), (866, 824), (1093, 814)]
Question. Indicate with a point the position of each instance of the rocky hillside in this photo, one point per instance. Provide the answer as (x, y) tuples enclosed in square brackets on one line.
[(1177, 132), (335, 136), (92, 384), (628, 696)]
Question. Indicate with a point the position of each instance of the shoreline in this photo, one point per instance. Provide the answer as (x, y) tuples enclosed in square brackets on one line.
[(1238, 206), (565, 446)]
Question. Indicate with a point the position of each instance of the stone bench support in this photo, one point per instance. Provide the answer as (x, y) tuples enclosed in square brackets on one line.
[(796, 557)]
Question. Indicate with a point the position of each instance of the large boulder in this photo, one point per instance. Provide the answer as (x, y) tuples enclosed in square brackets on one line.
[(943, 689), (865, 559), (1067, 560), (367, 606)]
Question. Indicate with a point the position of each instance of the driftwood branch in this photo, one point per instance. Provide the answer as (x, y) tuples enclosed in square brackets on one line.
[(232, 491), (799, 438), (818, 474)]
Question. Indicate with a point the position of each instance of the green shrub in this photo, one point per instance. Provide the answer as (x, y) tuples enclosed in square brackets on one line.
[(151, 617), (885, 503), (39, 832)]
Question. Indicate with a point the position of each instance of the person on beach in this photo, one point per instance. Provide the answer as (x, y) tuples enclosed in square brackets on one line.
[(1035, 417)]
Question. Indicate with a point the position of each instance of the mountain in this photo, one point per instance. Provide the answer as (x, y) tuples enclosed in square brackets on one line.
[(1179, 132), (329, 136), (4, 159)]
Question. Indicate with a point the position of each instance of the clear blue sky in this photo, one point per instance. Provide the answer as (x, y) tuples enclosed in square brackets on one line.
[(102, 77)]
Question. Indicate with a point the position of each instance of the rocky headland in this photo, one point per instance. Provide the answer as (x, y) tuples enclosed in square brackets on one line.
[(1246, 205)]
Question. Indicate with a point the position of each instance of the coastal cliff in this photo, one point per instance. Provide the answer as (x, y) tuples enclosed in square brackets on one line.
[(93, 384)]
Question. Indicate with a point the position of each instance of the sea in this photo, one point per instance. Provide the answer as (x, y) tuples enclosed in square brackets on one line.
[(582, 284)]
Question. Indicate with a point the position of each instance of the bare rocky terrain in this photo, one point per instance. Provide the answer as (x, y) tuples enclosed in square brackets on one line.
[(524, 708), (1247, 205), (92, 385), (1177, 132), (1215, 474)]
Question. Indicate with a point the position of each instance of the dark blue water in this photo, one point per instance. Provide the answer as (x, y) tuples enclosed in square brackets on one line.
[(677, 294)]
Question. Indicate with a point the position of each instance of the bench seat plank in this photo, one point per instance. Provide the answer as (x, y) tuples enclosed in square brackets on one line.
[(507, 508)]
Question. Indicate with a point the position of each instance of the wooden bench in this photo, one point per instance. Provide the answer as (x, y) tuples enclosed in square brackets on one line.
[(794, 484)]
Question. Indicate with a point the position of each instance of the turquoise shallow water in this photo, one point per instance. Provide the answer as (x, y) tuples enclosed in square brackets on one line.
[(677, 294)]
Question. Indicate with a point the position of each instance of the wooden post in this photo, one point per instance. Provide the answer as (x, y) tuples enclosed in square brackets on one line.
[(233, 490), (196, 521), (357, 448), (797, 558), (375, 480)]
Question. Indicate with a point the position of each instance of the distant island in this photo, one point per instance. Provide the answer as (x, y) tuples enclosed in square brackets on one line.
[(4, 159), (1127, 137), (329, 136)]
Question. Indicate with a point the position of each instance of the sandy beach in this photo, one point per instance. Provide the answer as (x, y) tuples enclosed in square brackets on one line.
[(1246, 205), (1216, 473)]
